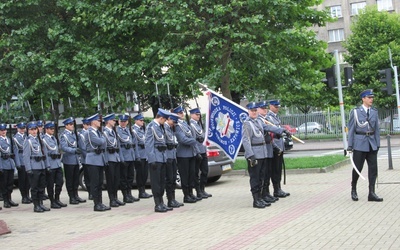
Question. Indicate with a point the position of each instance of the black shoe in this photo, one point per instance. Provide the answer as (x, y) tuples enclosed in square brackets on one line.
[(99, 208), (268, 198), (201, 195), (127, 200), (160, 209), (60, 203), (46, 209), (105, 207), (13, 204), (189, 199), (174, 204), (145, 195), (30, 199), (267, 204), (258, 204), (25, 200), (167, 207), (133, 198), (196, 198), (38, 209), (280, 194), (373, 197), (114, 203), (207, 194), (121, 203), (73, 201), (79, 199), (55, 205), (354, 195), (90, 197), (6, 204), (45, 196)]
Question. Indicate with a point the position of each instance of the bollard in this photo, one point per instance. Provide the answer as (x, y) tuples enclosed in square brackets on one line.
[(389, 148)]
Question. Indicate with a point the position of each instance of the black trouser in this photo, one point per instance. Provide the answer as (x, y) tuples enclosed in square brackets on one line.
[(7, 182), (276, 173), (86, 177), (113, 174), (359, 159), (127, 173), (72, 179), (54, 182), (38, 184), (23, 182), (171, 168), (202, 171), (267, 173), (96, 176), (142, 172), (186, 166), (157, 179), (256, 174)]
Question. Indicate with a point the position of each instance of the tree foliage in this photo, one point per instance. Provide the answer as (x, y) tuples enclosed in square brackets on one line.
[(66, 48)]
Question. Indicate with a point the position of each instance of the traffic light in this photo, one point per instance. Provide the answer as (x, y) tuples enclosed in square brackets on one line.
[(348, 76), (329, 79), (387, 78)]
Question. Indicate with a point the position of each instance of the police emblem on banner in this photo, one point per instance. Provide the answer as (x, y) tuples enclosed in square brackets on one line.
[(224, 123)]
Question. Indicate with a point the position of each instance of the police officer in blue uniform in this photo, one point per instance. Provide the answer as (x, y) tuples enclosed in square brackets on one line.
[(364, 143), (186, 153), (277, 160), (171, 165), (271, 148), (40, 124), (23, 180), (156, 155), (127, 146), (141, 164), (7, 167), (34, 161), (95, 161), (256, 151), (55, 179), (70, 159), (114, 157), (202, 163), (82, 146)]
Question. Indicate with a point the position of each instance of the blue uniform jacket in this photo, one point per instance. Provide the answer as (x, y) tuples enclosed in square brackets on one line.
[(68, 145), (127, 143), (6, 161), (82, 145), (140, 151), (170, 139), (95, 148), (112, 146), (32, 154), (187, 144), (19, 148), (200, 136), (155, 143), (274, 119), (357, 138), (51, 151)]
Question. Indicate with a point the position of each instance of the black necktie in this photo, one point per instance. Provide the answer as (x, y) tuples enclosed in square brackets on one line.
[(367, 114)]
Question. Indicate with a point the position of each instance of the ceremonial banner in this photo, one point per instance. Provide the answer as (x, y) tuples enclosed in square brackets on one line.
[(224, 123)]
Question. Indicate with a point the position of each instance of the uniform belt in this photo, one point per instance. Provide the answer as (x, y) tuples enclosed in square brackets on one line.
[(20, 151), (55, 156), (141, 145), (258, 144), (161, 148), (38, 158), (113, 150), (366, 133)]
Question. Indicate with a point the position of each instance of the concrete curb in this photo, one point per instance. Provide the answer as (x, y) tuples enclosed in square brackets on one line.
[(299, 171)]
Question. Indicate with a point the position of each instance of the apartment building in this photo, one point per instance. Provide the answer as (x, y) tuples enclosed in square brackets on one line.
[(344, 11)]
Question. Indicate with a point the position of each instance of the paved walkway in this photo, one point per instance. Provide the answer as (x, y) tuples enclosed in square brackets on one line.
[(319, 214)]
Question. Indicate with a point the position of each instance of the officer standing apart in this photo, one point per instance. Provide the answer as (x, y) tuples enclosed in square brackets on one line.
[(155, 148), (7, 167), (23, 180), (201, 163), (34, 162), (54, 178), (127, 146), (82, 146), (256, 152), (277, 162), (186, 153), (271, 148), (364, 143), (171, 166), (141, 163), (95, 161), (70, 159), (114, 157)]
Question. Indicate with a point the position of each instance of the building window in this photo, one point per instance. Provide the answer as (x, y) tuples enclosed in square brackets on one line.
[(384, 5), (336, 35), (336, 11), (357, 7)]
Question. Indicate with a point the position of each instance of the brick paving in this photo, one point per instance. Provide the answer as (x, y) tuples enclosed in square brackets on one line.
[(319, 214)]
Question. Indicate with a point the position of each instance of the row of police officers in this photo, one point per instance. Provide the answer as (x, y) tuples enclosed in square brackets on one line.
[(116, 152)]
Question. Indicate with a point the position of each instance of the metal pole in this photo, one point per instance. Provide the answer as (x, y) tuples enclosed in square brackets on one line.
[(396, 81), (389, 152), (341, 103)]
